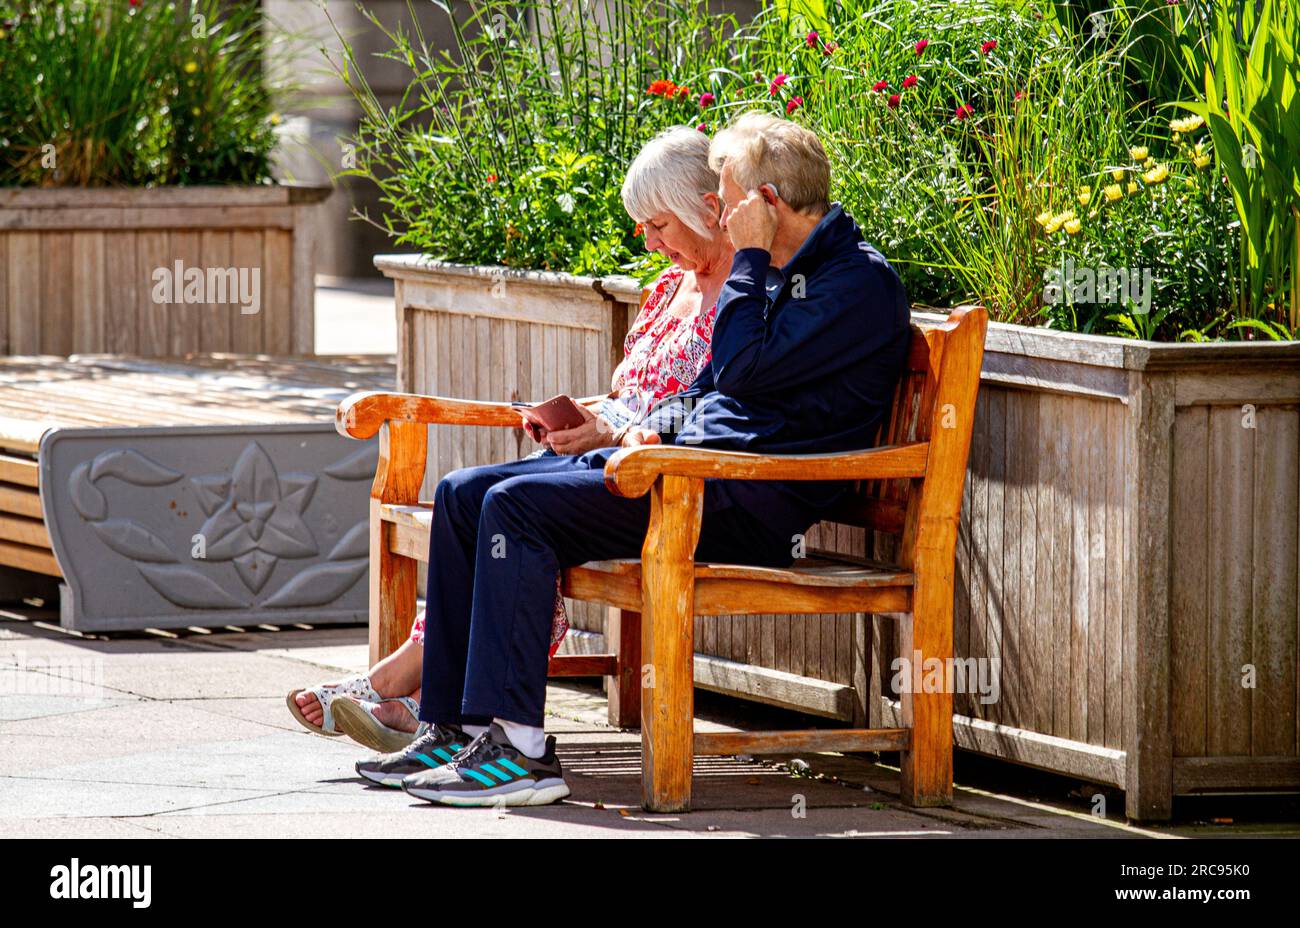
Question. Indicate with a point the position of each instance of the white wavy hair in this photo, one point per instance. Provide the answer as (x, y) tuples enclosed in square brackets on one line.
[(672, 173)]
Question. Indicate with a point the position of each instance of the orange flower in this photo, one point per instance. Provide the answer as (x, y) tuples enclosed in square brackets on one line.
[(491, 178), (639, 230), (662, 88)]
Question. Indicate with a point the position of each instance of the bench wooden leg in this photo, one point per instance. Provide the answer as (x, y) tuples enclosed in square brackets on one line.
[(668, 643), (393, 578), (393, 586), (927, 764), (623, 639)]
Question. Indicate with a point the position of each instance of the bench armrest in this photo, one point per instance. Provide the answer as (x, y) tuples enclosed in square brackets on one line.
[(632, 471), (361, 414)]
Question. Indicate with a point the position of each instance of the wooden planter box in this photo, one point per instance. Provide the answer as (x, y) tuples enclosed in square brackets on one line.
[(1127, 543), (1128, 551), (77, 266)]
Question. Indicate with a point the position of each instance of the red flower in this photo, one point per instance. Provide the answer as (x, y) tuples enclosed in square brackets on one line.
[(776, 82), (662, 88), (909, 82), (706, 100), (1020, 95), (988, 46), (701, 128), (638, 230), (920, 46), (794, 104), (811, 38), (894, 99), (491, 178), (830, 47), (683, 92), (964, 111), (879, 86)]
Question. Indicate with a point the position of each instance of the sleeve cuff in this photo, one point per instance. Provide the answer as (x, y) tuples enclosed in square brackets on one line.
[(749, 268)]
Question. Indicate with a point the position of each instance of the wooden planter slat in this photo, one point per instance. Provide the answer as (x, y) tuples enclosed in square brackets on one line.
[(76, 269)]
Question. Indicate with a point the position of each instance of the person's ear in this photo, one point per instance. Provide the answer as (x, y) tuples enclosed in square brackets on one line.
[(769, 193), (713, 207)]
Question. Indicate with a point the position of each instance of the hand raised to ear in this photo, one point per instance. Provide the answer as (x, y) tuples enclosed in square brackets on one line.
[(752, 224)]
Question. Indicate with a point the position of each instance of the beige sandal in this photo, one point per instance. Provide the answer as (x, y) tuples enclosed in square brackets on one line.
[(359, 687), (356, 719)]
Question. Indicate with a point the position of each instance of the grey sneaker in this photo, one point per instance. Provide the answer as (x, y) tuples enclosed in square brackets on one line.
[(432, 748), (490, 772)]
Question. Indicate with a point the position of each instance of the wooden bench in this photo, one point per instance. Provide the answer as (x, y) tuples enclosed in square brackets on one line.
[(910, 486)]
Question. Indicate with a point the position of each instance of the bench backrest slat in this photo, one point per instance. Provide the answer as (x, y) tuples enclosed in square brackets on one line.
[(887, 506)]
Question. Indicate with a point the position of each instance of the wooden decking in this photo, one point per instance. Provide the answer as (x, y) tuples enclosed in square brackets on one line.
[(40, 393)]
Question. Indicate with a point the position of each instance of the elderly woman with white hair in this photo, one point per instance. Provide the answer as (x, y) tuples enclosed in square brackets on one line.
[(672, 193)]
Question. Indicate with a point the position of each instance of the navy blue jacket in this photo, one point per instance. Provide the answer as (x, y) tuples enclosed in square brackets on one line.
[(805, 357)]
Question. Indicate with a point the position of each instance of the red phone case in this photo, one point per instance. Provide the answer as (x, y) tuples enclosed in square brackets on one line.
[(555, 415)]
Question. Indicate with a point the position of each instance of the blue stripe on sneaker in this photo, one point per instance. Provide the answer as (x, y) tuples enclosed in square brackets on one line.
[(425, 758), (513, 767), (478, 776), (503, 777), (457, 748), (443, 754)]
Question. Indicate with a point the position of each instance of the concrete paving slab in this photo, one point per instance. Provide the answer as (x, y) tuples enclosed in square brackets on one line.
[(193, 738), (90, 744), (73, 827)]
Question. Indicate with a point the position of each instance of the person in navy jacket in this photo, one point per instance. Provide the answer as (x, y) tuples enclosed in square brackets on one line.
[(809, 341)]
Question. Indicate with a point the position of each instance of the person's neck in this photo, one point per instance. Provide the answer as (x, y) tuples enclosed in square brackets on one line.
[(713, 271), (790, 236)]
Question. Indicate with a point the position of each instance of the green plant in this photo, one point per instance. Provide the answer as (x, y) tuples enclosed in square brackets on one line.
[(105, 92), (510, 146), (1250, 82)]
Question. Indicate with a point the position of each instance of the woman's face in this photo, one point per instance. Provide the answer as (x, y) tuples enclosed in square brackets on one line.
[(678, 242)]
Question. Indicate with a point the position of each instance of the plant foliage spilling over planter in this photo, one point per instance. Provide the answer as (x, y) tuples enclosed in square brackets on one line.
[(1019, 153)]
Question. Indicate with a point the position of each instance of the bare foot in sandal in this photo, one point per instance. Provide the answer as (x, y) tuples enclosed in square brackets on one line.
[(397, 716), (310, 706)]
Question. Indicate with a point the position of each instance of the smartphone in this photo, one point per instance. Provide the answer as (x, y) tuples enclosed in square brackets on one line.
[(555, 415)]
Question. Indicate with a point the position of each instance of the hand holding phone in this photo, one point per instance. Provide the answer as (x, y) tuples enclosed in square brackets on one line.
[(555, 415)]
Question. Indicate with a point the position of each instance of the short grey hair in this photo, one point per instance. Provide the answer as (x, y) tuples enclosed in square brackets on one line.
[(672, 173), (763, 149)]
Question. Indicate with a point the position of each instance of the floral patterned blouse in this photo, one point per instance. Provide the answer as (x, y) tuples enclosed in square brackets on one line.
[(663, 353)]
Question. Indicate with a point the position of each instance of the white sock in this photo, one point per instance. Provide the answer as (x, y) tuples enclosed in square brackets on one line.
[(529, 741), (473, 730)]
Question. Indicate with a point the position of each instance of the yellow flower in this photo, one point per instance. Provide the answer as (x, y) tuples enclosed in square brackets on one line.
[(1199, 148), (1085, 195), (1113, 192), (1092, 214), (1044, 217), (1073, 226), (1139, 153), (1149, 163), (1176, 138), (191, 67), (1117, 173), (275, 119), (1190, 124), (196, 111), (1157, 175), (1132, 186), (1201, 161)]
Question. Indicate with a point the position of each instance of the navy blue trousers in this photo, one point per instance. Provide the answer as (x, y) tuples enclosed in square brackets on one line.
[(502, 532)]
